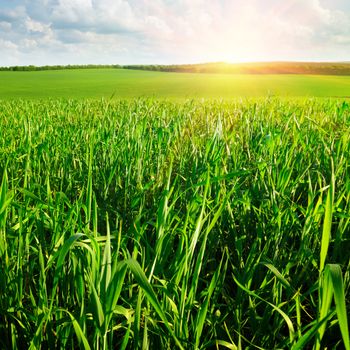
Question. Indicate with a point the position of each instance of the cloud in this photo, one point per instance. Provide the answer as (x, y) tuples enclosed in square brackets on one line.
[(164, 31), (33, 26), (8, 45), (5, 26)]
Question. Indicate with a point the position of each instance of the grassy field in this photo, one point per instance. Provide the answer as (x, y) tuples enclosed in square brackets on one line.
[(139, 224), (97, 83)]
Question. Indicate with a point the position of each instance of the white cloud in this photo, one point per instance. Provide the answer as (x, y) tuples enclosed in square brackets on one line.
[(155, 26), (5, 26), (342, 39), (29, 43), (35, 26), (101, 16), (8, 45), (170, 31)]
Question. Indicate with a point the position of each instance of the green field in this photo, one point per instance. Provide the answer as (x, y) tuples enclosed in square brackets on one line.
[(122, 83), (142, 224)]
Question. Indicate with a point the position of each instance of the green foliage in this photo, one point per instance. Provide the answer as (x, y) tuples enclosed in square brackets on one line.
[(32, 68), (319, 68), (174, 225)]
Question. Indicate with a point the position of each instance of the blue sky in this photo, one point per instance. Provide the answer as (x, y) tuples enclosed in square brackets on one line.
[(43, 32)]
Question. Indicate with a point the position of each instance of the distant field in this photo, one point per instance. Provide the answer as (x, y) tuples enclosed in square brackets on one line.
[(97, 83)]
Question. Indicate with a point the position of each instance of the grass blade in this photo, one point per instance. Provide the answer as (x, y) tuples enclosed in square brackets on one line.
[(149, 293), (340, 303)]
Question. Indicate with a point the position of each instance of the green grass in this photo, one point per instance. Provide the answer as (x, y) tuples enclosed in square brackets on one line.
[(97, 83), (142, 224)]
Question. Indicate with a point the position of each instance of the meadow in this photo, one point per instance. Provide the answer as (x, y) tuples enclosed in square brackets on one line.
[(124, 83), (161, 224)]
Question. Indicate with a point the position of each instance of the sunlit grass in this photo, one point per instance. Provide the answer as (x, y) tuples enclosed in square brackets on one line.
[(194, 225)]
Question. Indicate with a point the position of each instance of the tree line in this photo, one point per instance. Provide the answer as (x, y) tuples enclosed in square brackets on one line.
[(58, 67), (321, 68)]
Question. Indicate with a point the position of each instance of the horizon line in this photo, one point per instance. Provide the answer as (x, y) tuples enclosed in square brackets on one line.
[(184, 64)]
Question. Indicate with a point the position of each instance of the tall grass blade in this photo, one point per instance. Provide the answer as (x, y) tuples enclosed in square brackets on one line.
[(149, 293), (340, 302), (327, 223), (78, 331)]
